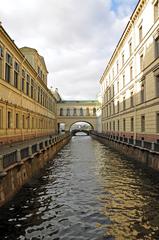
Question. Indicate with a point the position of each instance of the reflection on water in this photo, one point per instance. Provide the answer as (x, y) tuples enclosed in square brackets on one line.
[(87, 192)]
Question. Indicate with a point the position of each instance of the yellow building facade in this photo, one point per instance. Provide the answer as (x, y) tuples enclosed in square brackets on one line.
[(71, 112), (130, 82), (27, 106)]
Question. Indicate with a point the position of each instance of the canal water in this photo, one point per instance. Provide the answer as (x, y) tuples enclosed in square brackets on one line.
[(87, 192)]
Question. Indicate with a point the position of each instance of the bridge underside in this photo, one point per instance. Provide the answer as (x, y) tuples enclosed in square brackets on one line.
[(74, 132)]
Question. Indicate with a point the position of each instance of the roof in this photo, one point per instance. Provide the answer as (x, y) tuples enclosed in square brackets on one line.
[(80, 102), (33, 50), (122, 38)]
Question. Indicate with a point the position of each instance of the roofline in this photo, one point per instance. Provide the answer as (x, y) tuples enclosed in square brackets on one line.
[(126, 31), (24, 59), (35, 51), (79, 101)]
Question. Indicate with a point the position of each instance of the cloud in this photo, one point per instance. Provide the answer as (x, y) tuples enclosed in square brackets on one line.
[(75, 37)]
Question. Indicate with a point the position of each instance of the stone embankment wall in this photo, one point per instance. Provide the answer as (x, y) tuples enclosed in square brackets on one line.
[(142, 153), (17, 167)]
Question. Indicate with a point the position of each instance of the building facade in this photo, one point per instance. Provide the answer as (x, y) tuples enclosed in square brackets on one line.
[(27, 106), (130, 82)]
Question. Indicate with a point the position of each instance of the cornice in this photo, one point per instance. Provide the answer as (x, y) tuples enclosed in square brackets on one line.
[(127, 30)]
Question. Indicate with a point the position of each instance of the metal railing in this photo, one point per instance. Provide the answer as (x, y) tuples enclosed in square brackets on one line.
[(18, 155), (156, 147), (9, 159), (24, 152), (152, 146), (147, 145), (138, 143), (34, 148)]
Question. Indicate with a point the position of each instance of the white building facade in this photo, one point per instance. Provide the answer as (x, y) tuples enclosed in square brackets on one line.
[(130, 82)]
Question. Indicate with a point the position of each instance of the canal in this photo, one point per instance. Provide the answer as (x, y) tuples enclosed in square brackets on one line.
[(87, 192)]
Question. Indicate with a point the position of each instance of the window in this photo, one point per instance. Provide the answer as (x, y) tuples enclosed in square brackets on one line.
[(28, 122), (117, 66), (124, 103), (130, 48), (40, 72), (132, 124), (81, 111), (113, 107), (75, 111), (123, 59), (23, 122), (1, 67), (1, 61), (1, 119), (118, 125), (141, 62), (109, 93), (28, 85), (123, 80), (1, 52), (156, 10), (113, 125), (157, 86), (118, 106), (38, 94), (23, 81), (68, 112), (61, 111), (143, 123), (16, 74), (94, 111), (132, 99), (17, 120), (8, 66), (41, 96), (110, 126), (32, 89), (9, 120), (131, 73), (124, 125), (110, 109), (113, 90), (118, 86), (142, 93), (32, 123), (140, 33), (157, 122), (157, 47)]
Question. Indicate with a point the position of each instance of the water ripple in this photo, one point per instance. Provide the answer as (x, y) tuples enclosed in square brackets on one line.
[(86, 192)]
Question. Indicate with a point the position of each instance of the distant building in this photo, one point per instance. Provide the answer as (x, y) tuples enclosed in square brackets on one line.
[(71, 112), (130, 82), (27, 106)]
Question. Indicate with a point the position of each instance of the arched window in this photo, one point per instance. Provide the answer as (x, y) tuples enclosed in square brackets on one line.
[(68, 112), (81, 111), (61, 111), (94, 111), (74, 112)]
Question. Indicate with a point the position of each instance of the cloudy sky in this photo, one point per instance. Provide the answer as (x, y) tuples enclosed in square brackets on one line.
[(76, 38)]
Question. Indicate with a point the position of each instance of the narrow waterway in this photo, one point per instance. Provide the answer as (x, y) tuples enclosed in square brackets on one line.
[(88, 192)]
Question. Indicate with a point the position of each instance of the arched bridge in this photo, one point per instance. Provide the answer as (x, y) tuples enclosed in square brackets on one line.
[(73, 132), (70, 112)]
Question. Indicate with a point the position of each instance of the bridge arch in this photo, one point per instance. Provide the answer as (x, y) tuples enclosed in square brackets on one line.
[(68, 122), (77, 121), (81, 127)]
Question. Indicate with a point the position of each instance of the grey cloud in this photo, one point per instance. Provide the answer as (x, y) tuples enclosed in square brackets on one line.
[(76, 38)]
